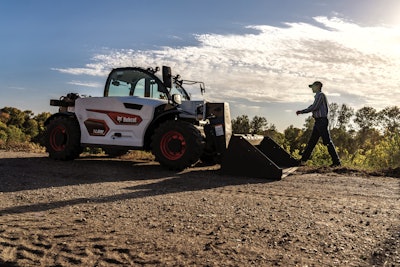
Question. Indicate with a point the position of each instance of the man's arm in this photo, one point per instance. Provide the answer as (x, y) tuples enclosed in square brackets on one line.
[(317, 103)]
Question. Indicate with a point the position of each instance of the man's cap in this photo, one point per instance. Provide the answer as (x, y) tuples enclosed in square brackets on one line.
[(315, 83)]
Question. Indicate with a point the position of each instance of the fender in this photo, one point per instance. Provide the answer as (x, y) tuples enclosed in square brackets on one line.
[(160, 118), (59, 114)]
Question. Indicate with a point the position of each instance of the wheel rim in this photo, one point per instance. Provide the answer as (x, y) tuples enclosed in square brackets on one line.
[(58, 138), (173, 145)]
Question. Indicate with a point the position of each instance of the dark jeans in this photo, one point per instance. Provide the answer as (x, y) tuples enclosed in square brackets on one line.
[(321, 130)]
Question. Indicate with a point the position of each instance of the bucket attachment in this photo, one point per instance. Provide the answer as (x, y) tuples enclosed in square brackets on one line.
[(257, 156)]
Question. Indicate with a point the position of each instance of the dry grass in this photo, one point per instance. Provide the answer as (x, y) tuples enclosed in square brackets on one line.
[(22, 147), (138, 154), (36, 148)]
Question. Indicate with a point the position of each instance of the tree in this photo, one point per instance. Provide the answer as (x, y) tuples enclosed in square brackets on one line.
[(4, 116), (40, 118), (3, 133), (258, 125), (293, 138), (333, 115), (307, 130), (367, 138), (386, 154), (366, 118), (339, 117), (31, 128), (16, 116), (241, 125), (344, 116), (389, 118), (344, 140), (21, 126), (15, 135)]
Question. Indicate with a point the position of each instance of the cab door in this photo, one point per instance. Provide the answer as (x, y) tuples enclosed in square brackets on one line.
[(134, 82)]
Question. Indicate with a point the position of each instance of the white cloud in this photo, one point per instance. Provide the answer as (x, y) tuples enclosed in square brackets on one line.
[(358, 65), (86, 84)]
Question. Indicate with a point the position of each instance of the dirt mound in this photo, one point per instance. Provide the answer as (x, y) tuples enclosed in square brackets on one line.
[(391, 172), (388, 172)]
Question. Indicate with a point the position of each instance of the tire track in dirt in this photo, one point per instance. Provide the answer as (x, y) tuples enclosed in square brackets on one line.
[(18, 245)]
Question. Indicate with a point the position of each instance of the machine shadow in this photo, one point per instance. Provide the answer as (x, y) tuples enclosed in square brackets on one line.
[(27, 174), (41, 172)]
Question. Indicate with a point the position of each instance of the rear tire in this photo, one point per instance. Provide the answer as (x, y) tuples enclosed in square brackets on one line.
[(177, 144), (63, 137)]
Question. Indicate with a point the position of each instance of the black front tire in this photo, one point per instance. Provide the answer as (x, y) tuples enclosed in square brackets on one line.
[(63, 137), (177, 144)]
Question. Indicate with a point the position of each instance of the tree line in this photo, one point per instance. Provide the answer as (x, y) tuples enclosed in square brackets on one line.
[(364, 138), (18, 126)]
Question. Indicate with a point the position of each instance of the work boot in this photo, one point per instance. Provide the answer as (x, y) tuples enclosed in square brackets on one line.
[(334, 155), (337, 164)]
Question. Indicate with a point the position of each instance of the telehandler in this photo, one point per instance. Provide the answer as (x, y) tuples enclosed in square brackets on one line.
[(141, 111)]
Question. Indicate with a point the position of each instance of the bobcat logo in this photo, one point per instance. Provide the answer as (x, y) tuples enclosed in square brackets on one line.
[(130, 120)]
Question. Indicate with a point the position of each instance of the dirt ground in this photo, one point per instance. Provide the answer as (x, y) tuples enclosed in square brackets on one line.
[(98, 211)]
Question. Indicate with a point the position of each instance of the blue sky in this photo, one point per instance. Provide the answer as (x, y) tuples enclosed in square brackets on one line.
[(257, 55)]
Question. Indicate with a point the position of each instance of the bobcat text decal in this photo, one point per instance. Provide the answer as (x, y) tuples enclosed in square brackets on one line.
[(120, 118)]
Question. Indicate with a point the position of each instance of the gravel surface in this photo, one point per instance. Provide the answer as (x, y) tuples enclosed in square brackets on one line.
[(98, 211)]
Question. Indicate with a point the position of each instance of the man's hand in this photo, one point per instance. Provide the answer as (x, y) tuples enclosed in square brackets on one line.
[(298, 112)]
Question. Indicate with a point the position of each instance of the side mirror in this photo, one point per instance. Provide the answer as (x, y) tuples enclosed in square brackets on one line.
[(177, 99), (167, 76)]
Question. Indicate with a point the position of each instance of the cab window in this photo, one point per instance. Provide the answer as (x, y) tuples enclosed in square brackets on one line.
[(177, 90), (119, 88), (134, 83)]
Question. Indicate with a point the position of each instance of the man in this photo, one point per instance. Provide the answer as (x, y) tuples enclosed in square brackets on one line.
[(319, 111)]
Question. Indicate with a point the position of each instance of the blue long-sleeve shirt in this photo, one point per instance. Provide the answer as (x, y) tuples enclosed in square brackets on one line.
[(319, 108)]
